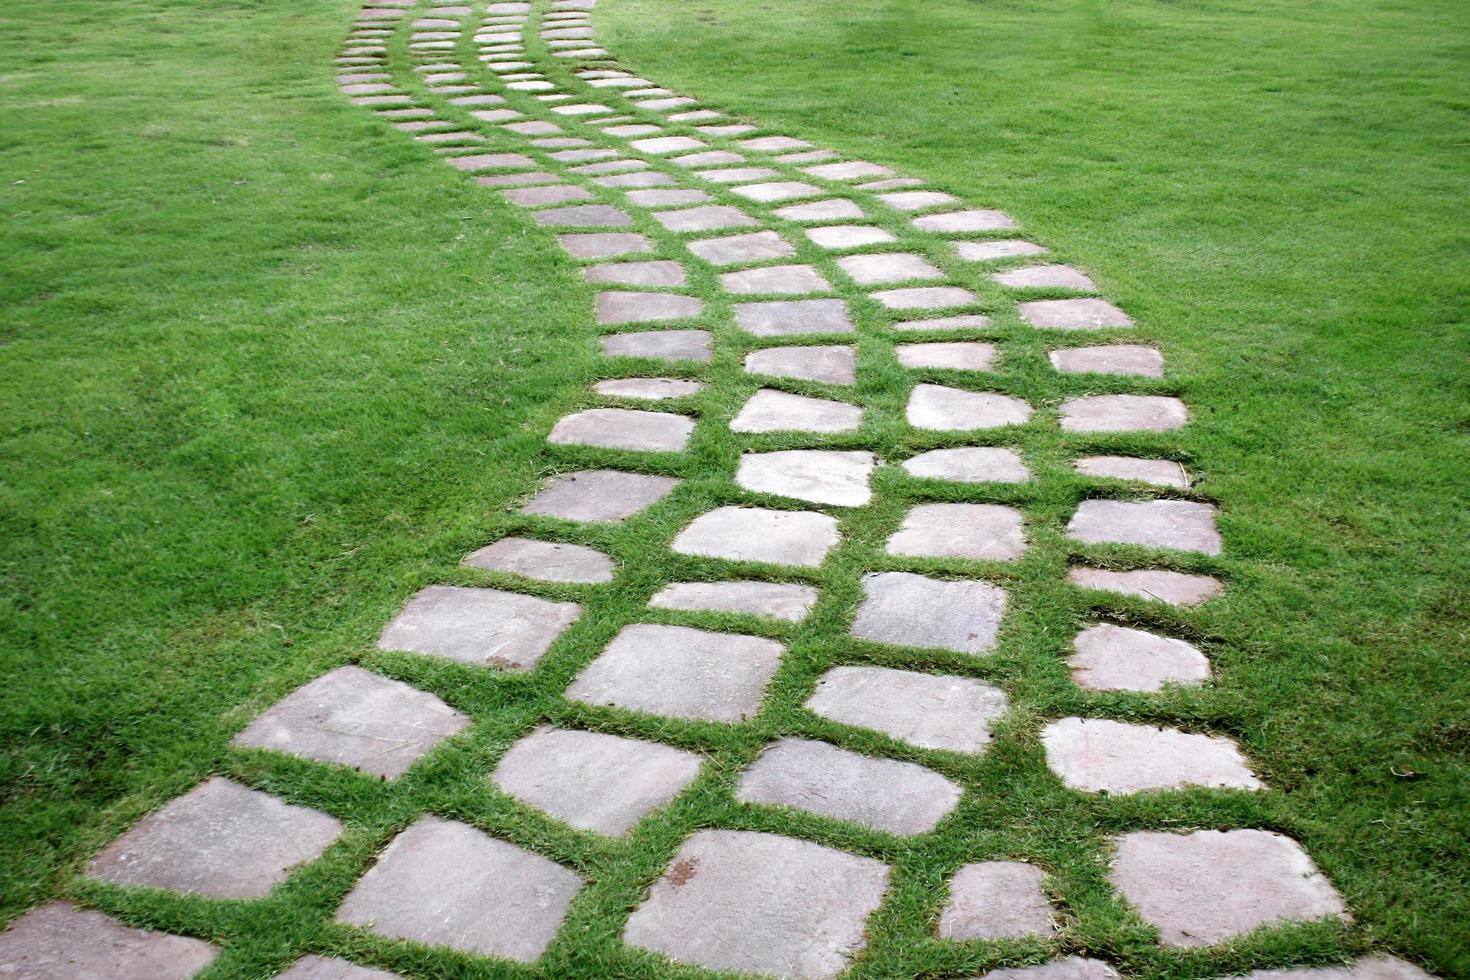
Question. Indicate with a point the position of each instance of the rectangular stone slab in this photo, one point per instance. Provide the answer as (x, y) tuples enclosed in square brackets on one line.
[(929, 711), (59, 941), (903, 609), (479, 626)]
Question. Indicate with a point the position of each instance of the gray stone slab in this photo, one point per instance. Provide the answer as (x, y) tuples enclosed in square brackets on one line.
[(773, 144), (479, 626), (936, 408), (737, 129), (793, 317), (1073, 314), (1159, 472), (924, 297), (313, 967), (952, 356), (821, 476), (771, 192), (640, 178), (444, 883), (662, 345), (660, 145), (709, 158), (833, 209), (929, 711), (1175, 588), (523, 179), (902, 609), (584, 216), (59, 941), (546, 561), (1050, 276), (219, 840), (779, 537), (837, 237), (664, 105), (710, 217), (1180, 525), (1068, 968), (609, 167), (760, 903), (993, 250), (1099, 755), (769, 410), (965, 321), (695, 115), (1118, 658), (680, 672), (663, 197), (654, 273), (1126, 359), (1377, 967), (917, 200), (535, 127), (492, 161), (648, 389), (963, 222), (624, 428), (1123, 413), (891, 183), (760, 246), (785, 601), (969, 464), (996, 900), (886, 267), (604, 245), (1208, 886), (737, 175), (353, 717), (983, 532), (629, 129), (617, 307), (581, 109), (535, 197), (833, 364), (848, 170), (594, 781), (774, 279), (580, 156)]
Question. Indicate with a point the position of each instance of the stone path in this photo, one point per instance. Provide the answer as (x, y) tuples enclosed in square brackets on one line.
[(733, 260)]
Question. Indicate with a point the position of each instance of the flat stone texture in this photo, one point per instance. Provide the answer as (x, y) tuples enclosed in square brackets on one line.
[(1123, 413), (630, 307), (1159, 472), (785, 601), (929, 711), (535, 197), (600, 495), (709, 158), (781, 537), (1073, 314), (1180, 525), (773, 144), (641, 178), (594, 781), (821, 476), (849, 170), (547, 561), (835, 209), (961, 222), (789, 318), (443, 883), (662, 197), (952, 356), (1377, 967), (769, 410), (220, 840), (917, 200), (775, 279), (657, 273), (849, 236), (1045, 277), (964, 321), (969, 464), (834, 364), (737, 175), (923, 297), (1119, 658), (662, 345), (493, 161), (996, 900), (584, 216), (903, 609), (991, 251), (1124, 359), (776, 190), (604, 245), (1068, 968), (62, 942), (884, 267), (757, 246), (353, 717), (895, 797), (680, 672), (624, 428), (479, 626), (760, 903), (711, 217), (648, 389), (1175, 588), (936, 408), (313, 967), (1209, 886), (978, 531), (667, 144), (1098, 755)]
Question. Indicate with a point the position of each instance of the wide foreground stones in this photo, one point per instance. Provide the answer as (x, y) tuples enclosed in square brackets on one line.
[(1068, 968), (443, 883), (781, 537), (648, 389), (479, 626), (996, 900), (1182, 525), (600, 495), (313, 967), (546, 561), (623, 428), (925, 710), (978, 531), (1209, 886), (62, 942), (786, 601), (969, 464), (834, 364), (1379, 967), (939, 409), (903, 609), (1099, 755), (821, 476), (1118, 658), (769, 410), (760, 903), (1175, 588)]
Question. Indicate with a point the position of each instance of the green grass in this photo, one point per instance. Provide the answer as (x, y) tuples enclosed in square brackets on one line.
[(268, 367)]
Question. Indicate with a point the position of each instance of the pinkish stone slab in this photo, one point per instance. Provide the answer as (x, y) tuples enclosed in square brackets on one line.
[(1069, 968), (788, 318), (886, 267), (648, 389), (936, 408), (600, 495), (1180, 525), (1118, 658), (902, 609), (1123, 413), (773, 144), (964, 321), (604, 245), (963, 222), (924, 297), (780, 537), (536, 197), (994, 250), (1073, 314), (630, 307), (1378, 967), (821, 476), (546, 561), (711, 217), (849, 170), (917, 200), (1175, 588), (832, 364), (775, 279), (313, 967), (1124, 359), (1159, 472), (479, 626), (837, 237), (62, 942), (663, 197), (624, 428), (771, 192), (661, 345), (1098, 755), (925, 710), (969, 464), (760, 246), (1045, 277), (951, 356), (785, 601), (834, 209), (656, 273), (996, 900), (769, 410), (983, 532)]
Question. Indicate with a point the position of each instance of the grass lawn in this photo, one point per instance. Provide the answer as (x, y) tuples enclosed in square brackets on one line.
[(267, 367)]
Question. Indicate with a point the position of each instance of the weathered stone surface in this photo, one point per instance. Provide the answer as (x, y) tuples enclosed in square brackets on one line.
[(648, 389), (548, 561), (775, 279), (580, 156), (1130, 359), (479, 626), (523, 179), (1182, 525), (822, 476), (220, 840), (977, 531), (313, 967), (593, 781), (1209, 886), (779, 190), (737, 129), (656, 273), (737, 175), (680, 673), (353, 717), (760, 903), (785, 601), (710, 217), (1051, 276), (903, 609), (709, 158), (584, 216), (961, 222), (965, 321), (1123, 413), (581, 109), (663, 197), (793, 317), (1159, 472), (925, 710), (59, 941), (773, 144), (536, 197), (917, 200), (664, 105), (781, 537), (667, 144), (996, 900), (993, 250), (1073, 314), (769, 410), (939, 409), (848, 236), (834, 209), (953, 356), (628, 129), (1098, 755), (624, 428), (834, 364), (1117, 658), (609, 167), (849, 170), (924, 297), (492, 161), (885, 267), (758, 246), (604, 245), (969, 464), (1175, 588), (1068, 968), (663, 345), (443, 883), (1377, 967)]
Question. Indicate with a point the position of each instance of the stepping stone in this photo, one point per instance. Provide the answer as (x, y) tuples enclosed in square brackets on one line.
[(1117, 658), (969, 464), (785, 601), (668, 197), (1209, 886), (59, 941), (967, 321), (709, 158), (891, 183), (773, 144), (1073, 314), (917, 200), (963, 222), (994, 250), (313, 967), (848, 236), (605, 245), (609, 167), (1177, 524), (760, 903), (982, 532), (923, 297), (1175, 588), (353, 717), (1378, 967), (520, 180), (1045, 277), (835, 209), (996, 900), (835, 365), (1123, 413), (495, 115), (708, 218), (535, 197), (1159, 472), (956, 356), (680, 672), (895, 797), (821, 476), (850, 170), (1069, 968), (443, 883), (623, 428), (620, 307), (790, 318), (664, 105), (593, 781), (667, 144), (579, 156), (492, 161), (1130, 359), (902, 609), (883, 267), (929, 711), (769, 410), (581, 109), (584, 216), (545, 561), (936, 408), (775, 279), (648, 389), (779, 537), (736, 175), (219, 840), (780, 190), (758, 246), (663, 345), (808, 156), (630, 129), (658, 273), (1098, 755), (479, 626), (735, 130)]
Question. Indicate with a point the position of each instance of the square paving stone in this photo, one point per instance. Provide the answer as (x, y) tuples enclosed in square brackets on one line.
[(835, 209), (648, 389), (779, 190), (996, 900), (313, 967), (1068, 968), (535, 197), (963, 222), (604, 245), (822, 476), (1159, 472), (895, 797), (917, 200), (929, 711), (680, 672), (584, 216), (1127, 359), (1379, 967), (1175, 588), (773, 144), (775, 279), (760, 903), (711, 217), (479, 626), (849, 170), (546, 561), (849, 236), (1098, 755), (1181, 525), (969, 464), (630, 307), (758, 246), (785, 601), (1073, 314), (885, 267), (667, 144), (780, 537), (443, 883), (1118, 658), (662, 197), (59, 941), (924, 297), (662, 345), (835, 364), (965, 321), (1045, 277), (737, 175), (220, 840), (624, 428), (983, 532), (769, 410), (994, 250), (593, 781), (1123, 413), (953, 356), (793, 317), (936, 408), (709, 158), (1209, 886), (655, 273), (353, 717), (902, 609)]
